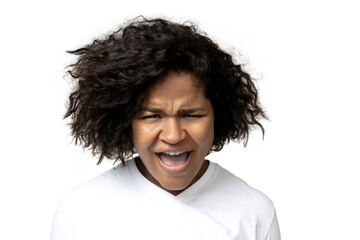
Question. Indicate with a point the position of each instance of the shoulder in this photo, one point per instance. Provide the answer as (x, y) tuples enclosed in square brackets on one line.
[(239, 195), (103, 197), (242, 208), (114, 181), (98, 195)]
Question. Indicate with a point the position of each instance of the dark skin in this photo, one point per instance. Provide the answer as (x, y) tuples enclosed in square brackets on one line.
[(140, 165)]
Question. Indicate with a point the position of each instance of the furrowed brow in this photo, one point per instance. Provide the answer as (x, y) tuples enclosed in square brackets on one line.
[(181, 111), (190, 110), (152, 110)]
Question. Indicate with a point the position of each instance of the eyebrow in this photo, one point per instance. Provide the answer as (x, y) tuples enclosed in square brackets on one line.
[(181, 111)]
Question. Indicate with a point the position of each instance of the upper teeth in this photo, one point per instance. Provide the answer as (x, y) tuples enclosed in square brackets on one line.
[(174, 153)]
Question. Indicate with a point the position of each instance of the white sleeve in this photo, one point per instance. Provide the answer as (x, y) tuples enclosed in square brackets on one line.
[(274, 231), (62, 228)]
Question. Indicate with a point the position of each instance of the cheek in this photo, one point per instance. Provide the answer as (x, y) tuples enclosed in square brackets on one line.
[(142, 136), (204, 134)]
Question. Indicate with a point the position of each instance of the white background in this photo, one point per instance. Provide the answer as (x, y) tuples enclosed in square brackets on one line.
[(304, 53)]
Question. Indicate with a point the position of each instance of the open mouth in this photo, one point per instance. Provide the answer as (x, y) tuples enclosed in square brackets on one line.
[(173, 159)]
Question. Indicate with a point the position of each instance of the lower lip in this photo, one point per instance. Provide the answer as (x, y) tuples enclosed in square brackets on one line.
[(177, 169)]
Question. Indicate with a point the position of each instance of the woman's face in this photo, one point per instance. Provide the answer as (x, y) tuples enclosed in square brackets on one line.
[(173, 132)]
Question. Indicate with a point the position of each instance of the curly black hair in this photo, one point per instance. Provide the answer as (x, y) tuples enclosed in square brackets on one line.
[(112, 73)]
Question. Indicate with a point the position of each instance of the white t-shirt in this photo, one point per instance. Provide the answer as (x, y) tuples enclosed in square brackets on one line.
[(122, 204)]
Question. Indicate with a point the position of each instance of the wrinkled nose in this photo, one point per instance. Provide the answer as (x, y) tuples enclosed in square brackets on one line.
[(172, 132)]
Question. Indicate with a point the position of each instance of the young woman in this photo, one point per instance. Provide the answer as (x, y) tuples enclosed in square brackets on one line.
[(169, 95)]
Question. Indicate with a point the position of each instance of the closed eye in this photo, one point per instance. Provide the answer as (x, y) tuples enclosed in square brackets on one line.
[(151, 116), (190, 116)]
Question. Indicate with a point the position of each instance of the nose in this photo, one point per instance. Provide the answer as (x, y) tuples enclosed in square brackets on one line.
[(172, 132)]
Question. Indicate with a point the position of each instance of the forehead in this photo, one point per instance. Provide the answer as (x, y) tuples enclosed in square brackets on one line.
[(175, 86)]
